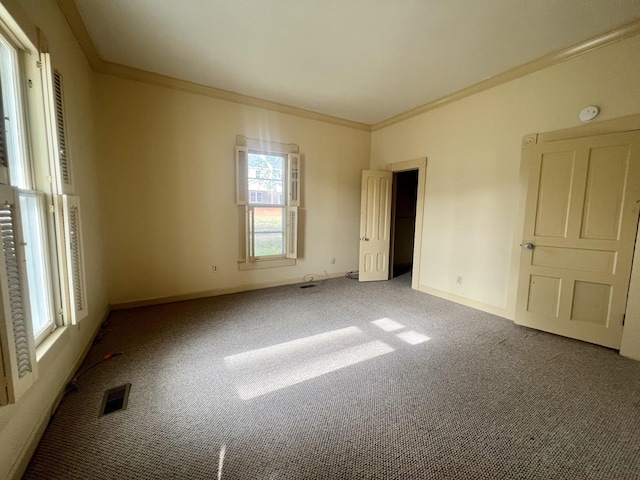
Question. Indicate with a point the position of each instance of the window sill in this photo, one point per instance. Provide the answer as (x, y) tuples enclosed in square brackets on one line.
[(52, 343), (266, 263)]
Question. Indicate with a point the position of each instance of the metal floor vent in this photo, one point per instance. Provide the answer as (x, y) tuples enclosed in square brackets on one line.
[(115, 399)]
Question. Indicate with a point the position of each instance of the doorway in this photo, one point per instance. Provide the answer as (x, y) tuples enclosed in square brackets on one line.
[(377, 230), (403, 221)]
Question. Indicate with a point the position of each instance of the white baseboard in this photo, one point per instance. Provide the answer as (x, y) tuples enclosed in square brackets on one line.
[(485, 307), (215, 292)]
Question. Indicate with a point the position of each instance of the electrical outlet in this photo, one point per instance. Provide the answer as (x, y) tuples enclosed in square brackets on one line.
[(214, 268), (459, 279)]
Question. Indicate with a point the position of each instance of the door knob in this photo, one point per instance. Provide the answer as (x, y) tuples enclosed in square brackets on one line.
[(365, 239), (528, 246)]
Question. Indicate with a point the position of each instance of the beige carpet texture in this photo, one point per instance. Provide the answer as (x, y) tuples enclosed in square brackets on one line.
[(342, 380)]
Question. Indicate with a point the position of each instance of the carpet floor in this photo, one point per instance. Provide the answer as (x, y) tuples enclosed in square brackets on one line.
[(343, 380)]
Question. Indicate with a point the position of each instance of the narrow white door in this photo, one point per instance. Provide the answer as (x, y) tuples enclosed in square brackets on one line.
[(578, 240), (375, 225)]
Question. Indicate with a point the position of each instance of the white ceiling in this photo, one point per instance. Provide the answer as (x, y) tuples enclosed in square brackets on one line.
[(362, 60)]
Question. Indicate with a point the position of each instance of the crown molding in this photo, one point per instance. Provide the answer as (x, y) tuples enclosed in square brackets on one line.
[(616, 35), (71, 13), (136, 74)]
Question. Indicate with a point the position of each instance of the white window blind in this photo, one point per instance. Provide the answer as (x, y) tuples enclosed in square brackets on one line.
[(54, 105), (292, 232), (242, 175), (17, 344), (64, 167), (75, 260), (294, 179)]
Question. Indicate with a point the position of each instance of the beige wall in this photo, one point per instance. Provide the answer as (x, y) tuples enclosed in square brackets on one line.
[(23, 422), (154, 169), (169, 172), (472, 219)]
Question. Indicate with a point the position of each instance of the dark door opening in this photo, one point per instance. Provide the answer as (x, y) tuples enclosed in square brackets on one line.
[(403, 221)]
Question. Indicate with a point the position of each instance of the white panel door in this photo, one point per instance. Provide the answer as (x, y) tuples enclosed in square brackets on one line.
[(578, 240), (375, 225)]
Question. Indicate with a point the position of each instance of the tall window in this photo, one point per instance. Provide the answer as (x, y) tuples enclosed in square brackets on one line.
[(32, 204), (41, 269), (268, 195), (266, 210)]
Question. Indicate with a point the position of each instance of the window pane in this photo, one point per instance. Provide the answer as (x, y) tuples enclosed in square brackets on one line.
[(266, 179), (8, 80), (268, 231), (39, 294)]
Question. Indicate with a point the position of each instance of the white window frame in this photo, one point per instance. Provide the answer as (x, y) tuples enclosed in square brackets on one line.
[(291, 204), (26, 177), (44, 250), (46, 177)]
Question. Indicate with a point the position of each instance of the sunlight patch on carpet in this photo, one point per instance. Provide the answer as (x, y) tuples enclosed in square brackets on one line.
[(412, 337), (388, 325), (260, 355), (288, 375)]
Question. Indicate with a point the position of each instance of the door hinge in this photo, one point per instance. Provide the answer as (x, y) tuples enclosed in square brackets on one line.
[(38, 64), (52, 209)]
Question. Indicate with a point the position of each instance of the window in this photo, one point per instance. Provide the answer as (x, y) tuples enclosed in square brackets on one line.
[(41, 274), (32, 206), (268, 196), (267, 221), (255, 197)]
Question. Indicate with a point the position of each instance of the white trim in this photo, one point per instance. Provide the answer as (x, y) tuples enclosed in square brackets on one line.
[(266, 146), (618, 34), (49, 342), (485, 307), (212, 293), (266, 263), (421, 165), (14, 23), (70, 11)]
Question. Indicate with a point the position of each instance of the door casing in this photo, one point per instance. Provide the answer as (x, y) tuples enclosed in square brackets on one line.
[(419, 164)]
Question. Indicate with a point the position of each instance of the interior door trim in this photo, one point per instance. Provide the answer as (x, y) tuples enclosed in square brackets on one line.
[(421, 165)]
